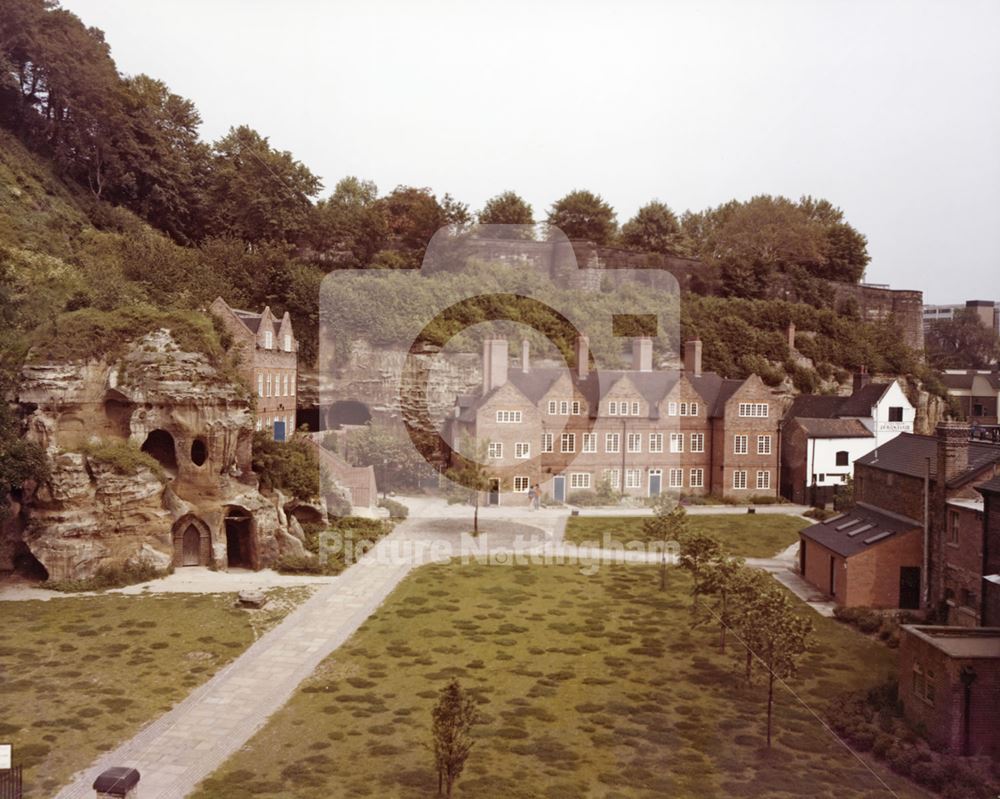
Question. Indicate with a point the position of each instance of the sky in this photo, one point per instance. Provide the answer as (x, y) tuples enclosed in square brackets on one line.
[(890, 110)]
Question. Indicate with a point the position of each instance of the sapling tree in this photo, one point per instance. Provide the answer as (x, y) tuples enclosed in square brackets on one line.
[(723, 579), (699, 551), (470, 473), (668, 523), (454, 717)]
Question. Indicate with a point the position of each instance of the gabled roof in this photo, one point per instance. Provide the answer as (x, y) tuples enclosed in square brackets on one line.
[(908, 453), (831, 406), (972, 379), (834, 428), (859, 530), (861, 401)]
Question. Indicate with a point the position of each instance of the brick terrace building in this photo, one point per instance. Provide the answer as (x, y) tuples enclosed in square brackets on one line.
[(643, 431), (913, 491), (268, 361), (976, 391), (949, 683)]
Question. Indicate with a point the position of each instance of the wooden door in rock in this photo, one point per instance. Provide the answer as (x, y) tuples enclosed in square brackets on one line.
[(192, 546)]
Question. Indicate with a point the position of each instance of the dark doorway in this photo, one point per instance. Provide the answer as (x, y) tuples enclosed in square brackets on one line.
[(239, 538), (192, 546), (494, 497), (26, 565), (160, 444), (833, 576), (348, 412), (199, 452), (909, 587), (802, 557)]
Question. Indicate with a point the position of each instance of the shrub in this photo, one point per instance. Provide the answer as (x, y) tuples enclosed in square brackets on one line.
[(117, 574), (819, 514), (290, 466), (302, 564), (124, 457), (397, 510)]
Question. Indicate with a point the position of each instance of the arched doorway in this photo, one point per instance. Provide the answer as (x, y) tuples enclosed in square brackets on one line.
[(241, 547), (160, 444), (191, 546), (192, 543), (348, 412)]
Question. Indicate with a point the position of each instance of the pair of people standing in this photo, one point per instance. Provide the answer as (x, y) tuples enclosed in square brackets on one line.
[(535, 497)]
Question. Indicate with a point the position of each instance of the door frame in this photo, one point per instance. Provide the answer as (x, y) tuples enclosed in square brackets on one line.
[(658, 474), (559, 488), (493, 493)]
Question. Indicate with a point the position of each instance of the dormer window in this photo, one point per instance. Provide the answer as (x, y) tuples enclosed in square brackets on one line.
[(268, 340), (288, 342)]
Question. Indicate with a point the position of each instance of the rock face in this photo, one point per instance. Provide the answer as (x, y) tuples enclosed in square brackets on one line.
[(103, 505)]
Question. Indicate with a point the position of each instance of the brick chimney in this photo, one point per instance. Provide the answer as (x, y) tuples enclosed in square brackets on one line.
[(952, 450), (582, 356), (692, 357), (861, 378), (494, 363), (525, 356), (642, 354)]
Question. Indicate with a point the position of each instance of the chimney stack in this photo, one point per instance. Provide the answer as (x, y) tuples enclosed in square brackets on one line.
[(692, 357), (642, 354), (952, 450), (582, 356), (862, 378), (494, 363), (525, 356), (791, 336)]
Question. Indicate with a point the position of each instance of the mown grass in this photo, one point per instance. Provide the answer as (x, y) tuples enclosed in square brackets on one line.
[(589, 687), (79, 675), (760, 535)]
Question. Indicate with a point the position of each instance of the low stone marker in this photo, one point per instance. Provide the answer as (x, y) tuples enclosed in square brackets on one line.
[(252, 598), (117, 783)]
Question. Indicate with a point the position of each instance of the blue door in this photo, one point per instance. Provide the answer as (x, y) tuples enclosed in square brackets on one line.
[(279, 430), (654, 482), (559, 488)]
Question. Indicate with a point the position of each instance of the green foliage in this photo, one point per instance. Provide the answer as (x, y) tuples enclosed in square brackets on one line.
[(454, 717), (963, 342), (289, 466), (584, 215), (111, 575), (124, 457), (397, 510), (390, 452), (655, 228), (508, 208), (20, 460)]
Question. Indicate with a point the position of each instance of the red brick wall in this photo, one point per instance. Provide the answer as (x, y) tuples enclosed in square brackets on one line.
[(818, 570), (898, 493), (873, 575)]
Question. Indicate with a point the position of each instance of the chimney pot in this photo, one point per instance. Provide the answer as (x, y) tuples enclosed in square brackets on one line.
[(692, 357), (525, 356), (494, 363), (642, 354), (862, 378), (952, 449), (582, 356)]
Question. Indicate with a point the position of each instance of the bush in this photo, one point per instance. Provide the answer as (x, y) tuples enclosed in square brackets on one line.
[(124, 457), (111, 575), (397, 510), (302, 564), (819, 514), (289, 466)]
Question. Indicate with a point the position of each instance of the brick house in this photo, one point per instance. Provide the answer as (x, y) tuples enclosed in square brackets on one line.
[(642, 431), (976, 391), (916, 519), (268, 361), (949, 684)]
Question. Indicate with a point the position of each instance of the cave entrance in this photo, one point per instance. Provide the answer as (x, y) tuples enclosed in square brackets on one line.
[(160, 444), (27, 566), (118, 411), (241, 549), (348, 413)]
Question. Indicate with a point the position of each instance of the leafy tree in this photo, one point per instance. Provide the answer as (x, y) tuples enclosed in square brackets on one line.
[(508, 208), (962, 342), (412, 216), (470, 474), (390, 451), (727, 579), (257, 193), (454, 716), (290, 466), (349, 227), (584, 215), (668, 523), (654, 228), (455, 213), (699, 553)]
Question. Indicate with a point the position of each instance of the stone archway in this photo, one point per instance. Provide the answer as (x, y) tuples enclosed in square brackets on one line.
[(241, 539), (192, 542)]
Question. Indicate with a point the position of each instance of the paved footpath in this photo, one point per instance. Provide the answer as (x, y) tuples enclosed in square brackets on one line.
[(182, 747)]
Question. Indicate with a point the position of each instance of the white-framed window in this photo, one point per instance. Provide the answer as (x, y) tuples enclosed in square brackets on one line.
[(575, 407), (287, 380), (740, 478), (753, 409), (546, 442), (633, 478), (522, 449), (509, 417), (740, 445), (684, 409), (268, 340), (612, 408), (611, 477), (671, 409), (635, 442), (676, 442), (521, 485), (579, 479), (656, 442), (495, 449), (268, 384), (763, 480), (763, 445), (260, 384), (612, 442), (589, 442), (697, 442), (697, 478), (552, 407), (260, 424), (567, 442), (564, 408), (291, 385), (693, 409), (635, 408), (676, 478), (288, 342)]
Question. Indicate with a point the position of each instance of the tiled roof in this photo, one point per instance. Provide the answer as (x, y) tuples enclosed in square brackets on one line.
[(972, 380), (834, 428), (814, 406), (907, 454), (990, 486), (861, 401), (857, 531)]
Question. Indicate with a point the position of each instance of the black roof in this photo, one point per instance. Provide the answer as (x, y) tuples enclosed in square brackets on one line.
[(834, 428), (990, 486), (907, 454), (117, 781), (861, 401), (831, 406), (857, 531)]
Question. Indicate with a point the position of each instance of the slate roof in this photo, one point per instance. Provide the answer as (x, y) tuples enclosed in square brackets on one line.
[(857, 531), (831, 406), (990, 486), (907, 454), (972, 380), (861, 401), (834, 428)]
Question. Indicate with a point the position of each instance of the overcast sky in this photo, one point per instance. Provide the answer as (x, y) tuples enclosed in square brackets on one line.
[(891, 110)]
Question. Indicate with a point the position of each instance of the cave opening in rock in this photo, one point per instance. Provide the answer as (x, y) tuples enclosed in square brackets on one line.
[(160, 444), (26, 565), (241, 550), (348, 412), (199, 452), (118, 412)]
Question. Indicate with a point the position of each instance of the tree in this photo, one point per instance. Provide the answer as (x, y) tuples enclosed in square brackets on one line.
[(412, 216), (349, 227), (584, 215), (454, 716), (962, 342), (726, 579), (390, 451), (470, 473), (508, 208), (668, 523), (699, 552), (654, 228)]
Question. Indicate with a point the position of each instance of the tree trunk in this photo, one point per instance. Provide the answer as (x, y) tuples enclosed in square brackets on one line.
[(722, 627), (440, 780), (663, 571), (475, 517), (770, 706), (451, 781)]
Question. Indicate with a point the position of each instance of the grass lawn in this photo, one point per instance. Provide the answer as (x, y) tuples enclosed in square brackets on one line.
[(78, 675), (747, 535), (589, 687)]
